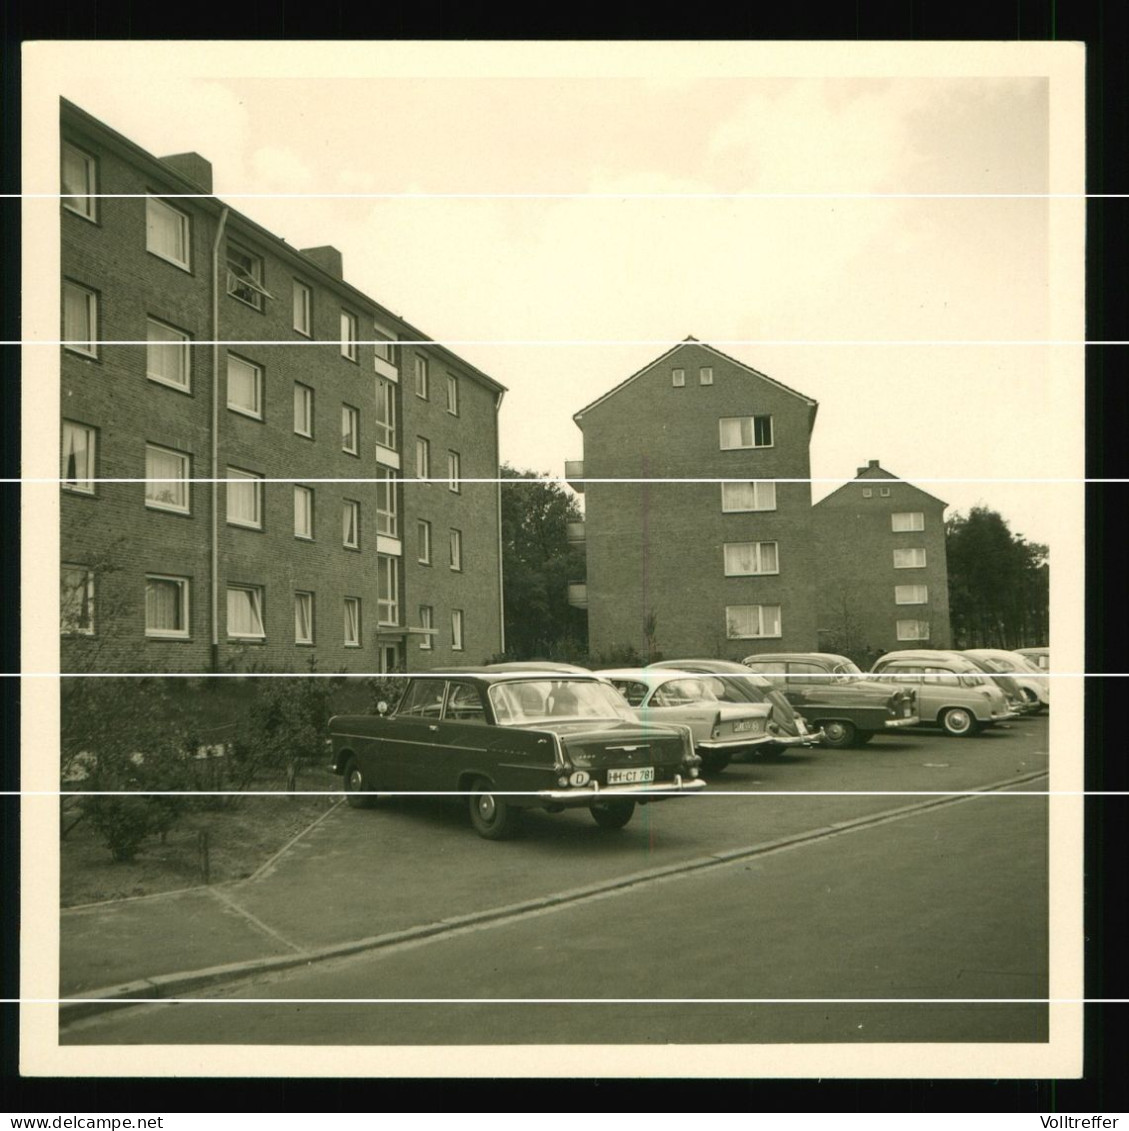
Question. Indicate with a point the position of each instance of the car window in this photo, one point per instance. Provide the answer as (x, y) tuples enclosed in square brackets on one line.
[(942, 677), (633, 691), (423, 699), (542, 700), (803, 671), (770, 670), (680, 692), (464, 703)]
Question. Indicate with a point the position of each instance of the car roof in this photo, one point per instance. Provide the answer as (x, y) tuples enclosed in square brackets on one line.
[(486, 675), (649, 675), (828, 657), (536, 666), (928, 655)]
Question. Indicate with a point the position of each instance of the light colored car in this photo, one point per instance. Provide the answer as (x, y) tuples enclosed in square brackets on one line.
[(1016, 700), (952, 692), (1036, 686), (697, 700), (1040, 657)]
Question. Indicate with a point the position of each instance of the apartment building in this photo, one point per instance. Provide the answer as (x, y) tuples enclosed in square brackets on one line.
[(270, 432), (884, 581)]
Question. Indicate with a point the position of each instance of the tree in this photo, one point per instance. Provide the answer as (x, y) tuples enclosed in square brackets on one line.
[(538, 562), (999, 587)]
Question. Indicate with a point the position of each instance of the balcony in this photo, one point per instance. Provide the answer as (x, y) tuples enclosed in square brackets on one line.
[(578, 594), (574, 470), (576, 533)]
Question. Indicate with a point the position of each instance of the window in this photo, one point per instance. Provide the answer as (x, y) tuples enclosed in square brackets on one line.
[(678, 378), (244, 387), (303, 618), (385, 413), (755, 495), (457, 630), (80, 320), (745, 558), (884, 492), (746, 432), (303, 410), (168, 357), (426, 621), (167, 232), (867, 492), (348, 335), (386, 518), (245, 276), (166, 606), (454, 472), (907, 520), (303, 308), (350, 430), (705, 375), (244, 499), (79, 182), (913, 630), (245, 612), (387, 589), (351, 525), (423, 541), (352, 622), (422, 381), (76, 600), (166, 479), (909, 559), (456, 549), (911, 594), (423, 458), (304, 512), (452, 394), (742, 622), (79, 446), (385, 349)]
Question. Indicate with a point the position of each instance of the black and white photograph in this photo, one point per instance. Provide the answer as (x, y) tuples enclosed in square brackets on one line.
[(543, 559)]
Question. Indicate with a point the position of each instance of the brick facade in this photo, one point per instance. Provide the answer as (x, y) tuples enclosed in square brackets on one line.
[(301, 412)]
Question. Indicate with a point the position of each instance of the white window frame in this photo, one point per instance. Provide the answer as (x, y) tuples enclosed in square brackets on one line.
[(745, 610), (884, 492), (678, 378), (240, 479), (422, 378), (354, 625), (350, 430), (903, 521), (455, 545), (385, 421), (82, 203), (903, 553), (158, 213), (77, 591), (184, 606), (423, 458), (387, 590), (245, 281), (303, 410), (304, 628), (387, 510), (423, 541), (752, 429), (911, 594), (351, 524), (867, 492), (80, 319), (458, 628), (760, 489), (912, 629), (454, 472), (760, 553), (426, 621), (303, 512), (82, 482), (348, 335), (452, 394), (384, 344), (168, 341), (705, 375), (256, 411), (254, 608), (179, 484), (303, 308)]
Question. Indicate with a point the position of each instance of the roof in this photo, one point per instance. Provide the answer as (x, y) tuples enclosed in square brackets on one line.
[(687, 341), (874, 470), (829, 657)]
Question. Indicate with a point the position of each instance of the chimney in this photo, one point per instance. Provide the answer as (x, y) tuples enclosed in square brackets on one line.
[(327, 258), (192, 167), (870, 466)]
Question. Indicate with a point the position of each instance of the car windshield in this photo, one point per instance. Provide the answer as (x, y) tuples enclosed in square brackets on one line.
[(522, 702), (845, 672), (679, 692)]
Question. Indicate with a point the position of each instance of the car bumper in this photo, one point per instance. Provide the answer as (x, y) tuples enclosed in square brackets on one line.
[(649, 791), (908, 721), (737, 742), (812, 738)]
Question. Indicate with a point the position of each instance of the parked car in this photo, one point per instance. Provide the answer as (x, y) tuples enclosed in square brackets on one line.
[(1040, 657), (952, 692), (1034, 685), (720, 729), (1012, 692), (510, 742), (832, 693), (739, 685)]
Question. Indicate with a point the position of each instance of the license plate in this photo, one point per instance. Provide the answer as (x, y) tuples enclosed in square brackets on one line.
[(629, 777), (746, 725)]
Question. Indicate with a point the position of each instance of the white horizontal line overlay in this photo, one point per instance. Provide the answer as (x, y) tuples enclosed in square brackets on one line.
[(581, 1000), (580, 792), (910, 479), (664, 343), (223, 195)]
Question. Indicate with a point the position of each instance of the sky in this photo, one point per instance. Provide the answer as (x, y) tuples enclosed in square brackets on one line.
[(605, 211)]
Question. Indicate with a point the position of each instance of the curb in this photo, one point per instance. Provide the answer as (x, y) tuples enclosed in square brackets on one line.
[(168, 987)]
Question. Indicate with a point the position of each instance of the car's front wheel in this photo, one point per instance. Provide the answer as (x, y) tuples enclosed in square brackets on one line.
[(959, 723), (612, 814), (491, 816), (358, 791), (839, 734)]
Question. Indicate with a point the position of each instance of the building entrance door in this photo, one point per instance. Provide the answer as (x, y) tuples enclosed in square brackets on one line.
[(390, 657)]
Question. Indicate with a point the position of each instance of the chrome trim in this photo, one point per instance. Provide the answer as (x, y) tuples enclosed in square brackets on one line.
[(585, 795), (912, 721), (742, 740)]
